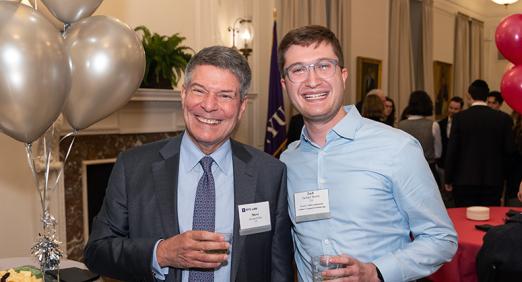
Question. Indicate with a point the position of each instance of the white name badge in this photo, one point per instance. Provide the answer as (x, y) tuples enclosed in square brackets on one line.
[(254, 218), (312, 205)]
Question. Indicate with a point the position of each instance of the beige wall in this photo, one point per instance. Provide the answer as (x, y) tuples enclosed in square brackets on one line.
[(443, 33), (19, 205), (370, 32)]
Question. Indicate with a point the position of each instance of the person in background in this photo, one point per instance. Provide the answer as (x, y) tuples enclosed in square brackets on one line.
[(375, 91), (373, 108), (370, 186), (389, 112), (456, 104), (169, 203), (495, 100), (421, 126), (479, 146), (404, 114)]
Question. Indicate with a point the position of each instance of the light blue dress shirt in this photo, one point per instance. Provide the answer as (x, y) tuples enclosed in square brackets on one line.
[(189, 173), (380, 189)]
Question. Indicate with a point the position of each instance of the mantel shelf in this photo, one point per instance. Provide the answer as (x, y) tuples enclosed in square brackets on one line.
[(151, 94), (154, 94)]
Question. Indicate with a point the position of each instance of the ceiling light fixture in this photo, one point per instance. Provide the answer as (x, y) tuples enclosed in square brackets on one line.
[(504, 2)]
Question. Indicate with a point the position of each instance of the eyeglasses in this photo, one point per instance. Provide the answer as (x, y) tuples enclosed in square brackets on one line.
[(299, 72)]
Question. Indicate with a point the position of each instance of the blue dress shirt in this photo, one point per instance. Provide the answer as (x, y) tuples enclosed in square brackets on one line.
[(380, 189), (190, 171)]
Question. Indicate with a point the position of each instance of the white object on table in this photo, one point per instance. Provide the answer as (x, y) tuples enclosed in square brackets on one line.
[(477, 213)]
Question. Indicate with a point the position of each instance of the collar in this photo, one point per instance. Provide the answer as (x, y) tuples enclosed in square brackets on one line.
[(415, 117), (479, 103), (345, 128), (191, 155)]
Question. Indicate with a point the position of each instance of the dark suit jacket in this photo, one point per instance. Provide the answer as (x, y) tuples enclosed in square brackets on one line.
[(478, 148), (140, 208), (443, 125)]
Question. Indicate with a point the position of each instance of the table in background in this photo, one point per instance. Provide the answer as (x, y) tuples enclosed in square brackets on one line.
[(462, 267), (6, 263)]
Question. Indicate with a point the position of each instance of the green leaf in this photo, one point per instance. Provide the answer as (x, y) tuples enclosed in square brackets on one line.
[(165, 56)]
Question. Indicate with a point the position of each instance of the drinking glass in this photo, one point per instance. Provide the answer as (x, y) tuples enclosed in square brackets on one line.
[(322, 263), (228, 239)]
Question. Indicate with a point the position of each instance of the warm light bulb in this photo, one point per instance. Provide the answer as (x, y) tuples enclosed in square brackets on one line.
[(246, 35)]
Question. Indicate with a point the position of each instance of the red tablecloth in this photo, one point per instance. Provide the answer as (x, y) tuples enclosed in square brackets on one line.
[(462, 266)]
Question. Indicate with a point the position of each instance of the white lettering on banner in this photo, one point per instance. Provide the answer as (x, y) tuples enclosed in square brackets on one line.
[(278, 117)]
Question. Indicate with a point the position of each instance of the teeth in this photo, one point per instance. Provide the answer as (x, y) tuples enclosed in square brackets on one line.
[(315, 96), (208, 121)]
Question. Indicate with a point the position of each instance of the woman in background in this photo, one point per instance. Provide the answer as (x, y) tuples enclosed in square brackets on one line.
[(419, 124)]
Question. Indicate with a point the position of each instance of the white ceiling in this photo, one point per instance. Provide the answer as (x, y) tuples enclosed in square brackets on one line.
[(488, 8)]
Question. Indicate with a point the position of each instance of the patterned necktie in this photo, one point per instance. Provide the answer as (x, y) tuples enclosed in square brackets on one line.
[(204, 213)]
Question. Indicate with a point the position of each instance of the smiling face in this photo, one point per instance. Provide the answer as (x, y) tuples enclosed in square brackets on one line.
[(318, 99), (211, 106), (493, 103), (453, 108)]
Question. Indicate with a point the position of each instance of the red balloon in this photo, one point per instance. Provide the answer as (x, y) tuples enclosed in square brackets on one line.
[(511, 88), (508, 37)]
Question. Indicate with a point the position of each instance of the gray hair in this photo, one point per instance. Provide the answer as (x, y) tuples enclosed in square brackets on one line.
[(224, 58)]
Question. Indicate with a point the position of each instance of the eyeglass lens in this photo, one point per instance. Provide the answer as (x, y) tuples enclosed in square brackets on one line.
[(323, 68)]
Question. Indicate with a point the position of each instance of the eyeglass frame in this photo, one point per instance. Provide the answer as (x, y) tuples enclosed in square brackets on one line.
[(314, 65)]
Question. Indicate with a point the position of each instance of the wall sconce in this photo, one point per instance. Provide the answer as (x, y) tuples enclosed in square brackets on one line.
[(242, 35), (504, 2)]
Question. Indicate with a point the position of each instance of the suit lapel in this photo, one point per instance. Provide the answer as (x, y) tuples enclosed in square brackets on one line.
[(244, 193), (165, 175)]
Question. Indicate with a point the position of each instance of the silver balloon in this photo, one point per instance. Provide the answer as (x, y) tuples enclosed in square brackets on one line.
[(45, 12), (107, 65), (69, 11), (34, 74)]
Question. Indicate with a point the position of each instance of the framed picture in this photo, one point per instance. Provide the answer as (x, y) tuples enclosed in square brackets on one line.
[(442, 78), (368, 75)]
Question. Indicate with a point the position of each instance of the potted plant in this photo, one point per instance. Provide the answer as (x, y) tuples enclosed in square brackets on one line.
[(166, 59)]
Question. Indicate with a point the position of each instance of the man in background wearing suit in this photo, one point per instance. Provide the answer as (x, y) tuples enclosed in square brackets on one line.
[(169, 203), (480, 142), (456, 104)]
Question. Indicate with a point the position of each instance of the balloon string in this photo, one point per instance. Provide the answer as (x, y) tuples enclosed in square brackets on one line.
[(47, 156), (29, 152), (73, 133)]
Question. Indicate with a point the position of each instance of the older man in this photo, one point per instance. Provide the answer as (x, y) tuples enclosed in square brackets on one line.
[(169, 203)]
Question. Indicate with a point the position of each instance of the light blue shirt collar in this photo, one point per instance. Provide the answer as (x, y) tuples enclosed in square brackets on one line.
[(194, 155), (345, 128)]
